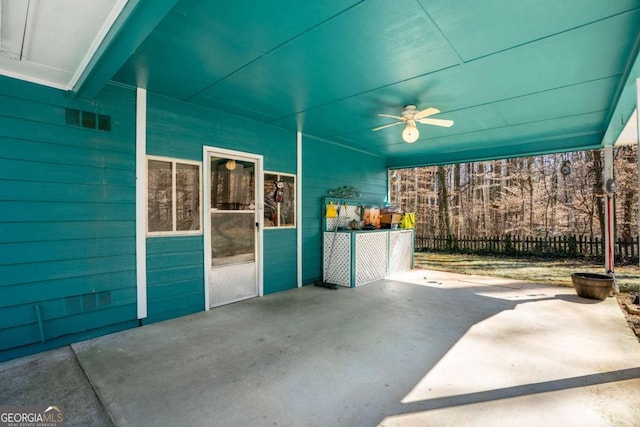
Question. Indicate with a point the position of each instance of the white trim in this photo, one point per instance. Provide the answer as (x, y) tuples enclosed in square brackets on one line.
[(284, 227), (299, 206), (97, 41), (260, 219), (141, 202), (34, 79), (181, 233), (232, 211), (174, 192), (175, 233), (280, 173), (206, 221), (206, 209)]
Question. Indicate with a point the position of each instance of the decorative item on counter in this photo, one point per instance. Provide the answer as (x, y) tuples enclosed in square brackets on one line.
[(408, 220), (372, 216), (360, 211), (344, 192), (341, 205), (332, 212), (390, 216), (388, 220), (394, 209), (354, 224)]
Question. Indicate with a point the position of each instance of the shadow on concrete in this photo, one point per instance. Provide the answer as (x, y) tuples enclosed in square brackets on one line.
[(523, 390), (578, 300), (310, 356), (361, 356)]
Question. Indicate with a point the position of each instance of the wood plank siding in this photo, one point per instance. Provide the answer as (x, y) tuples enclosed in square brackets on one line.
[(67, 211), (67, 216), (343, 166), (181, 130)]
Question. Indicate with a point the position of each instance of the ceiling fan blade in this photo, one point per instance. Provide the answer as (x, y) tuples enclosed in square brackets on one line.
[(426, 113), (391, 117), (437, 122), (389, 125)]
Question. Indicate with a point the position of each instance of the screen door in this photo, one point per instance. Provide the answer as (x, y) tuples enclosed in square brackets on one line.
[(233, 228)]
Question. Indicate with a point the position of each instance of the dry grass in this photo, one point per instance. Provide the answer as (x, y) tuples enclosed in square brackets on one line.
[(553, 272)]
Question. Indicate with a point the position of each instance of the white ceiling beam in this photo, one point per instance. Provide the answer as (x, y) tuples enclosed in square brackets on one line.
[(133, 25)]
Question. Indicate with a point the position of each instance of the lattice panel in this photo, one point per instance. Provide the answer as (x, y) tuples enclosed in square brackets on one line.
[(337, 266), (371, 257), (346, 215), (400, 246)]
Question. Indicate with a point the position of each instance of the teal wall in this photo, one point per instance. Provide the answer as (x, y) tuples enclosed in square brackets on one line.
[(67, 218), (175, 277), (280, 260), (326, 166), (67, 211), (175, 273)]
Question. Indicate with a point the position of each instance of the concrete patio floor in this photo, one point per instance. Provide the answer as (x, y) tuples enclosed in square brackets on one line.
[(426, 349)]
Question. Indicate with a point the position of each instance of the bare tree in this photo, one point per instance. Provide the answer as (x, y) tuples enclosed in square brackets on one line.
[(443, 203), (527, 196)]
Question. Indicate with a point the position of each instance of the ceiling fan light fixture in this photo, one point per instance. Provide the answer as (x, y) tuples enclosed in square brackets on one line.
[(410, 118), (410, 134)]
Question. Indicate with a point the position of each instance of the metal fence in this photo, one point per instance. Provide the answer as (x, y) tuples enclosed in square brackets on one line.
[(568, 246)]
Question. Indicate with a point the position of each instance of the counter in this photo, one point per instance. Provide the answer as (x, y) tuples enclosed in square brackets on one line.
[(354, 257)]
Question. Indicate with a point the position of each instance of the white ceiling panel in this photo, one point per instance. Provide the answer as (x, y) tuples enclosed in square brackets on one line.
[(51, 41)]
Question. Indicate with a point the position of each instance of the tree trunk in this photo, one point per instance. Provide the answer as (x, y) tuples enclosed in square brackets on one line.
[(457, 199), (443, 203), (598, 200), (530, 188)]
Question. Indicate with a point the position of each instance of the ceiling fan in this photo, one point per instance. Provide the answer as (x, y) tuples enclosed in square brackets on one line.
[(410, 117)]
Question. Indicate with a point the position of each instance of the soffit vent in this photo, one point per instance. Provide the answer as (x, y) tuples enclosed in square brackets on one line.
[(87, 119)]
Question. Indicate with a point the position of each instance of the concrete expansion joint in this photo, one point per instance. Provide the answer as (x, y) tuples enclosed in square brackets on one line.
[(96, 392)]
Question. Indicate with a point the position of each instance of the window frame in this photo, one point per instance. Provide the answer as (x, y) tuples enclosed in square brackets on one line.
[(278, 204), (174, 161)]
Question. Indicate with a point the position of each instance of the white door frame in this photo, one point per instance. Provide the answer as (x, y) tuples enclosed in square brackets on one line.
[(206, 203)]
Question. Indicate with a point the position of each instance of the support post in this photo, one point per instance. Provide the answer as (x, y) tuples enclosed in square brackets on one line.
[(299, 206), (638, 155), (141, 194), (609, 215)]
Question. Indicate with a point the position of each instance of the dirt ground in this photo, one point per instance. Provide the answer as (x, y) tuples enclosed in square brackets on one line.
[(631, 312)]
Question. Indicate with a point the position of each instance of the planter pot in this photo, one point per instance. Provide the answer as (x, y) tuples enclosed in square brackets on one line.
[(591, 285)]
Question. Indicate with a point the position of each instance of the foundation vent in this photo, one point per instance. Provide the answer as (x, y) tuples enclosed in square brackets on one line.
[(88, 302)]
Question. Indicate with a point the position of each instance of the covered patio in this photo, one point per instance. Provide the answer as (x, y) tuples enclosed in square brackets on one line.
[(127, 127), (422, 348)]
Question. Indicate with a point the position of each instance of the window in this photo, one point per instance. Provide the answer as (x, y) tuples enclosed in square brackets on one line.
[(173, 196), (279, 200)]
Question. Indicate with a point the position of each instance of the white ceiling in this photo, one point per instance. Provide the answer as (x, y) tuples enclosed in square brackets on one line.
[(50, 42), (629, 135)]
